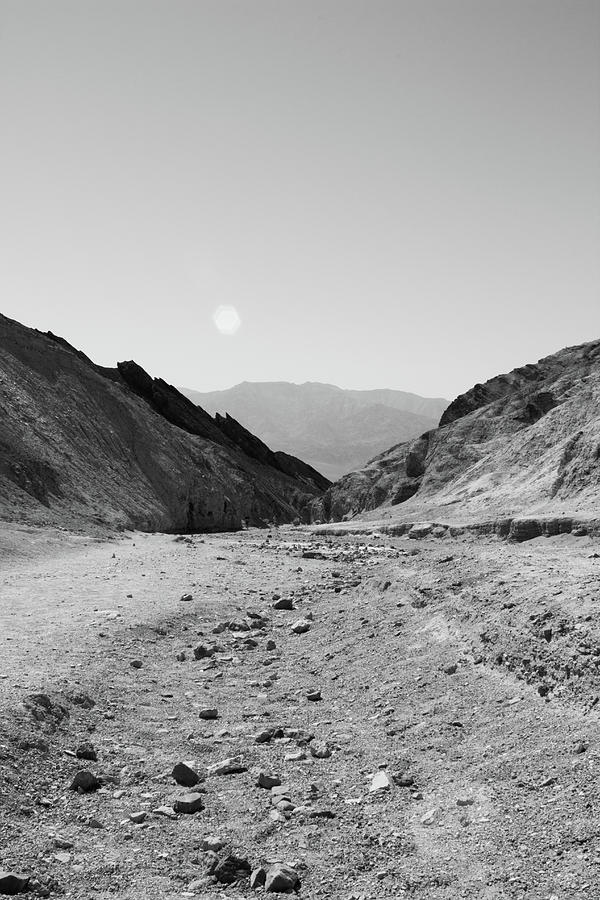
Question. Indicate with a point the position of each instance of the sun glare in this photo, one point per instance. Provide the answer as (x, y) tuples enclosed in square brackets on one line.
[(226, 319)]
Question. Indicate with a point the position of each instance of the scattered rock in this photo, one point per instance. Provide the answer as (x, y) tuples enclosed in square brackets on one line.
[(208, 713), (284, 603), (281, 879), (231, 766), (12, 882), (230, 868), (188, 803), (136, 664), (265, 780), (314, 696), (186, 598), (85, 782), (185, 775), (138, 817), (380, 782), (212, 843), (257, 878), (202, 652), (320, 750), (86, 751), (301, 626)]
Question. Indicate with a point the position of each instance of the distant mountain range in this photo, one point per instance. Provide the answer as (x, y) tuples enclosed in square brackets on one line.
[(334, 430)]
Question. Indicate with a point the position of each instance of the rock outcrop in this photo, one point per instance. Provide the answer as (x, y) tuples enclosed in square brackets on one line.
[(522, 442), (82, 445)]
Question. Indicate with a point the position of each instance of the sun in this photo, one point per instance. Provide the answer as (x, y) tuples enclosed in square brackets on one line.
[(226, 319)]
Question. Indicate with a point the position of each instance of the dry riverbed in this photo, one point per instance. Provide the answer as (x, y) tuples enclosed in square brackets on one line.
[(425, 717)]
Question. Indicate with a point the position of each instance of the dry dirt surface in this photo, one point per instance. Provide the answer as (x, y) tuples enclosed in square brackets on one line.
[(453, 752)]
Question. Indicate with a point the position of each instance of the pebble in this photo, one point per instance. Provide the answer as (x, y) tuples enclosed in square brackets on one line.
[(265, 780), (85, 781), (188, 803), (320, 750), (208, 713), (185, 598), (314, 696), (212, 843), (301, 626), (138, 817), (380, 782), (12, 882), (185, 775), (230, 766), (136, 664), (86, 751), (230, 868), (257, 878), (284, 603), (281, 878)]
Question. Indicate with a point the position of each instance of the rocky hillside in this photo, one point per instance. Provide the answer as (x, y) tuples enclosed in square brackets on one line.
[(528, 441), (335, 430), (81, 444)]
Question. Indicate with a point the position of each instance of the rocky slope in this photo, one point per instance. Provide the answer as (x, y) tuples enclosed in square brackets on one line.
[(81, 444), (334, 430), (525, 442)]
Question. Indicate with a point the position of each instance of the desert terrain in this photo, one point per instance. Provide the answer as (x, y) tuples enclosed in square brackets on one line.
[(450, 748)]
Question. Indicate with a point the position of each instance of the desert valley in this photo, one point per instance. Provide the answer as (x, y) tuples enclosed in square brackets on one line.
[(224, 675)]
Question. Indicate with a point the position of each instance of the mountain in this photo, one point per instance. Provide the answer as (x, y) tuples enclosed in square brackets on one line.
[(85, 445), (334, 430), (525, 442)]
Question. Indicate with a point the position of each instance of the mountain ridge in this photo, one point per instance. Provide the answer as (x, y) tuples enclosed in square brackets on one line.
[(526, 441), (332, 428), (83, 445)]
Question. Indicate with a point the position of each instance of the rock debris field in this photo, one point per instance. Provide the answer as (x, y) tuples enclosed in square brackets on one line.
[(280, 712)]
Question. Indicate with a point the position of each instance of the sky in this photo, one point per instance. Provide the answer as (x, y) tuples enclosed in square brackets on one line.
[(388, 193)]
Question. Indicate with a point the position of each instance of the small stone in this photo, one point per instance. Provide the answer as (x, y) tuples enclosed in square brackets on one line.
[(263, 737), (295, 756), (380, 782), (281, 879), (181, 657), (212, 843), (86, 751), (451, 670), (136, 664), (185, 598), (301, 626), (85, 782), (284, 603), (271, 645), (166, 811), (464, 801), (230, 868), (202, 652), (429, 818), (13, 882), (185, 775), (138, 817), (230, 766), (188, 803), (314, 696), (320, 750), (62, 843), (209, 713), (268, 781), (257, 878)]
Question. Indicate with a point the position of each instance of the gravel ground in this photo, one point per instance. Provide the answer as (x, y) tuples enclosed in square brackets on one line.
[(453, 752)]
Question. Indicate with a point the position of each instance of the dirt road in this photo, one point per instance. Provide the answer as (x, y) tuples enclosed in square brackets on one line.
[(466, 671)]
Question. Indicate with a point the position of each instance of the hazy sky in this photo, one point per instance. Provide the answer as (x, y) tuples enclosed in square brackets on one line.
[(398, 194)]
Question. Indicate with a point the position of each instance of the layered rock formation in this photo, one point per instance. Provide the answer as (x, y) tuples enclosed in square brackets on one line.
[(525, 441), (85, 445)]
